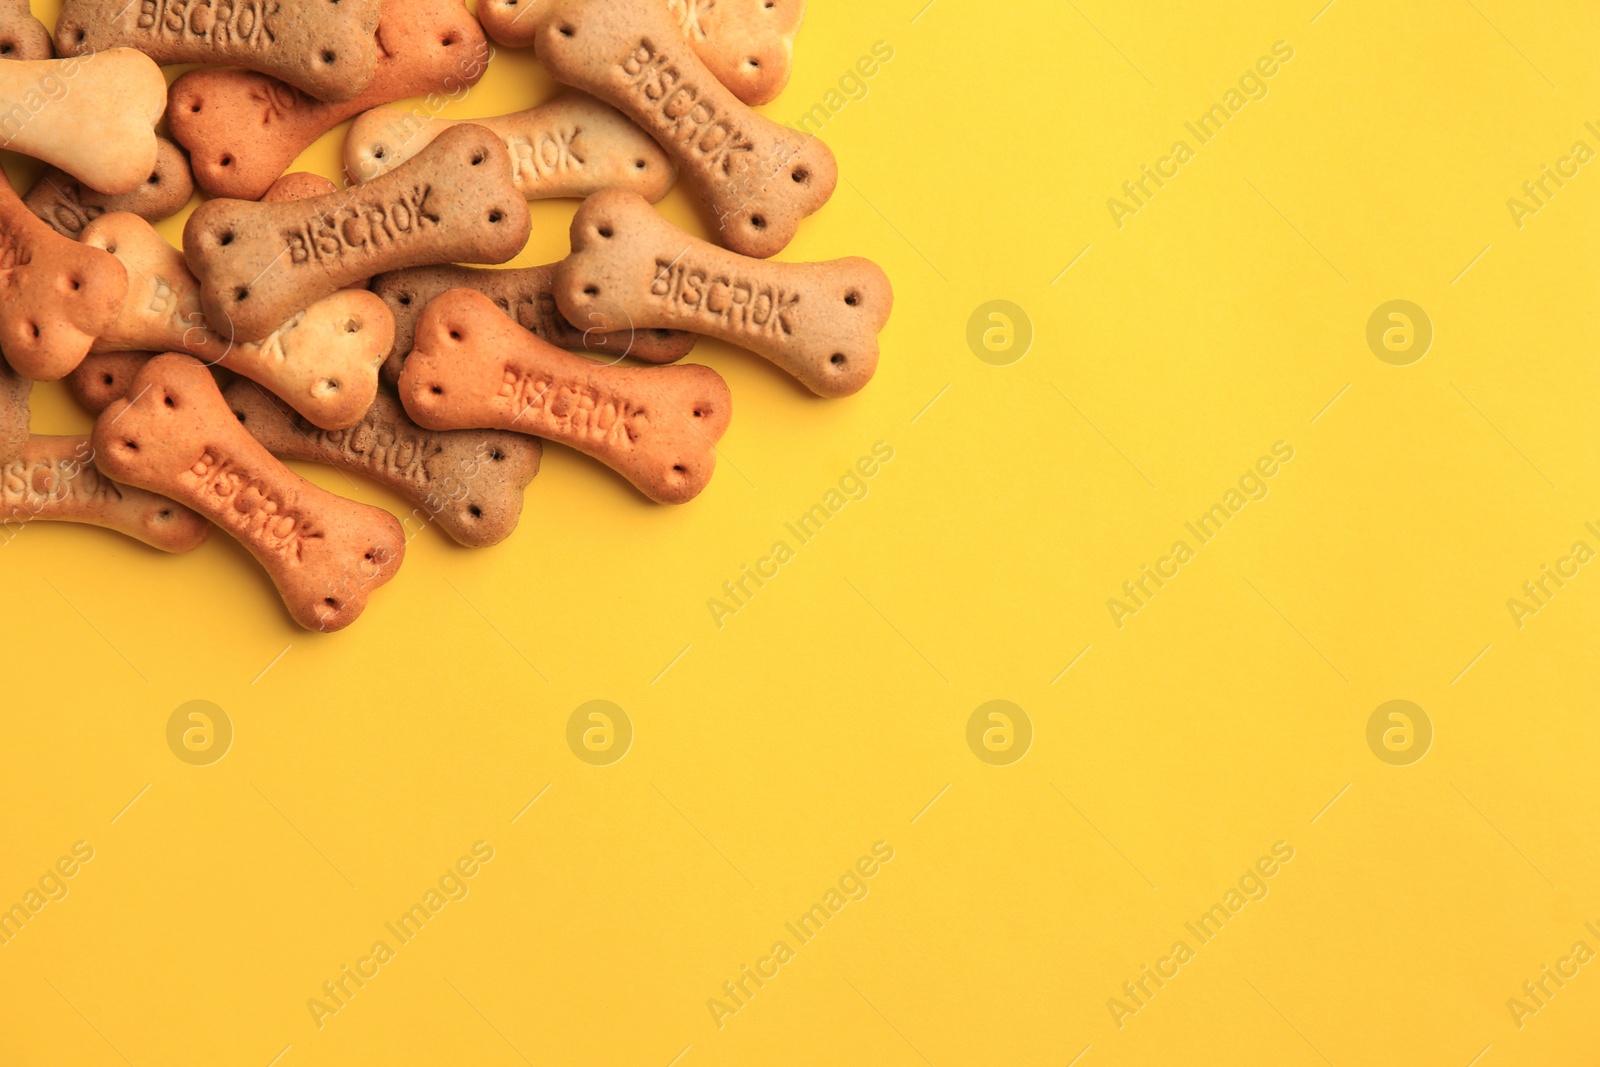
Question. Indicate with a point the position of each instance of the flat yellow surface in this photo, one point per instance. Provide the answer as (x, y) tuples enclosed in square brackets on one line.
[(1210, 727)]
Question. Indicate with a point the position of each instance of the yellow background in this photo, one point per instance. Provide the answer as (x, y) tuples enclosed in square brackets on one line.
[(826, 715)]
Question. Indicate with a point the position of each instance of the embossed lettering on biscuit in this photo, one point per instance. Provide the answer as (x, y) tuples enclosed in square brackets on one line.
[(817, 321), (68, 205), (243, 129), (175, 435), (656, 426), (756, 179), (54, 479), (92, 116), (573, 145), (523, 294), (259, 263), (469, 482), (323, 360)]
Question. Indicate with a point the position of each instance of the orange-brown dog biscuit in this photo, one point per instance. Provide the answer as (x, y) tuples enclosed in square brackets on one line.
[(572, 146), (56, 295), (758, 179), (14, 413), (656, 426), (298, 185), (22, 36), (92, 116), (54, 480), (818, 321), (468, 481), (242, 128), (322, 46), (323, 360), (259, 263), (523, 293), (68, 205), (176, 436), (103, 377)]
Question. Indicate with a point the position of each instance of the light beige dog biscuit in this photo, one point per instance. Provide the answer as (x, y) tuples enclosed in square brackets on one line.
[(56, 295), (656, 426), (22, 36), (92, 116), (572, 146), (758, 179), (176, 436), (468, 481), (524, 294), (818, 321), (55, 480), (259, 263), (747, 44), (68, 205), (14, 414), (323, 360), (242, 128), (324, 47)]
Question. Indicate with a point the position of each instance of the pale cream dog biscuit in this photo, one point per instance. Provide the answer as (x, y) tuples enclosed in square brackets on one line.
[(22, 36), (56, 295), (92, 116), (747, 44), (817, 321), (656, 426), (323, 360), (468, 481), (54, 480), (68, 205), (242, 129), (177, 436), (14, 414), (259, 263), (758, 179), (324, 47), (572, 146), (524, 294)]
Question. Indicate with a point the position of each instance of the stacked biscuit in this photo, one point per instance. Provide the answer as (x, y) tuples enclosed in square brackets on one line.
[(304, 321)]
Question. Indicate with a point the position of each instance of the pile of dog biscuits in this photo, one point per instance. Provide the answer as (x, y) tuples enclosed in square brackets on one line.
[(303, 321)]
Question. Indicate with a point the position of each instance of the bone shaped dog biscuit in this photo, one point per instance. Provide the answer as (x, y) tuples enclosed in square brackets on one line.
[(571, 146), (92, 116), (324, 47), (817, 321), (103, 377), (524, 294), (22, 36), (259, 263), (176, 436), (758, 179), (298, 185), (323, 360), (242, 129), (747, 44), (54, 480), (56, 295), (468, 481), (68, 205), (656, 426)]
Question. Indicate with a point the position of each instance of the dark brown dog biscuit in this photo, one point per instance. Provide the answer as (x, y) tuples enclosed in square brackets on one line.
[(324, 47), (22, 36), (68, 205), (818, 321), (175, 435), (524, 294), (56, 295), (14, 414), (757, 179), (656, 426), (242, 129), (468, 481), (54, 480), (260, 263)]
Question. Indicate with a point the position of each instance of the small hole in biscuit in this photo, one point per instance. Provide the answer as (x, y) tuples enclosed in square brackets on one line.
[(154, 179), (109, 379), (448, 39), (226, 239), (7, 48), (566, 31), (377, 152), (330, 385), (590, 290), (327, 56), (852, 299), (405, 300), (331, 602), (437, 390), (76, 284), (164, 514), (698, 413), (475, 511), (367, 557), (130, 444), (194, 108), (678, 468), (800, 174), (167, 400), (478, 157), (758, 221), (226, 161), (753, 63), (353, 326), (112, 248), (496, 455), (81, 36), (837, 359), (241, 293), (638, 164), (495, 216), (34, 326), (605, 231), (455, 335)]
